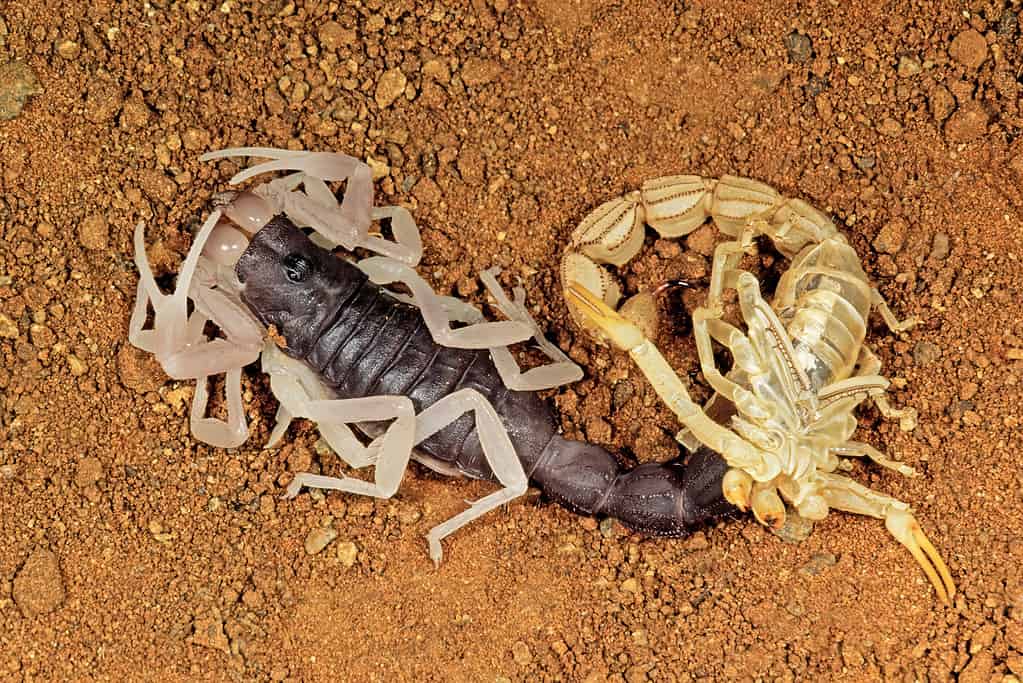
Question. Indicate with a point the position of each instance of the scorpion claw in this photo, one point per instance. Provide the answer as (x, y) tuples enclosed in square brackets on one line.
[(618, 330), (737, 486), (907, 531), (767, 507)]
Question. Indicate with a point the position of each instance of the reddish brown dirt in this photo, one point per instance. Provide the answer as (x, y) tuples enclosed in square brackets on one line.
[(132, 552)]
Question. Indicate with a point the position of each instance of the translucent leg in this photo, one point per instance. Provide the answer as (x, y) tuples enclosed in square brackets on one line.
[(497, 448), (348, 224), (483, 335), (870, 364), (395, 445), (625, 335), (893, 323), (294, 386), (561, 371), (856, 449), (219, 433), (845, 494), (726, 257)]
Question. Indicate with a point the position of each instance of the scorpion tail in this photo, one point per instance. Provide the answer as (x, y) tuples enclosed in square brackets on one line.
[(661, 499)]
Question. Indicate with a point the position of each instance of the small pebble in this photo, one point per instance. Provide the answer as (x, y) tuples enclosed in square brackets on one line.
[(39, 586), (68, 49), (800, 47), (967, 123), (76, 365), (318, 539), (969, 49), (8, 328), (909, 66), (17, 83), (631, 585), (925, 353), (818, 563), (891, 237), (333, 35), (347, 552), (607, 526), (940, 247), (93, 232), (390, 86), (90, 470), (521, 654), (942, 103)]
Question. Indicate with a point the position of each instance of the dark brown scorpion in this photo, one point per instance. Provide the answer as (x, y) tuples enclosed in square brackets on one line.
[(347, 351)]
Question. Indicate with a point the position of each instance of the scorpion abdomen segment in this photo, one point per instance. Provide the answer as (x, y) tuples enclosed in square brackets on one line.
[(824, 300), (661, 499)]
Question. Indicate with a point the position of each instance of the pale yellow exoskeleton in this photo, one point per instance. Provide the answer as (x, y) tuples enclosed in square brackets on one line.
[(800, 367)]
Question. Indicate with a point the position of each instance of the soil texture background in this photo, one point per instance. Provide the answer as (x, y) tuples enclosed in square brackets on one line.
[(130, 551)]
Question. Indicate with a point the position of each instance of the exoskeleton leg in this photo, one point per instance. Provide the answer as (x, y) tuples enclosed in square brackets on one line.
[(561, 371), (497, 448), (295, 385), (628, 337), (845, 494), (893, 323), (870, 365), (394, 446)]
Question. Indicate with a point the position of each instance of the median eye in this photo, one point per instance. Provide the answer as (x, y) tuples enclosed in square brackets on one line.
[(297, 268)]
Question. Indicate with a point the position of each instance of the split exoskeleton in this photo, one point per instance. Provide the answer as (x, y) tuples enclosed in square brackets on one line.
[(800, 368)]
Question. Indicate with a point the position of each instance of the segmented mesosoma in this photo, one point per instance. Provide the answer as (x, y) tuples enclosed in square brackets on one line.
[(800, 367)]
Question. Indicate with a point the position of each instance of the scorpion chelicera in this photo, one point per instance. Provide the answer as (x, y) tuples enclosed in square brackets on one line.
[(341, 350), (800, 368)]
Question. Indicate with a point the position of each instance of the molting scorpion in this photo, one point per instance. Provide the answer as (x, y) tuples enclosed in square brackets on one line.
[(800, 368), (341, 350)]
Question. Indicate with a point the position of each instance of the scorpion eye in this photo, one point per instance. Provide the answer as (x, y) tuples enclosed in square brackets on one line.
[(297, 267)]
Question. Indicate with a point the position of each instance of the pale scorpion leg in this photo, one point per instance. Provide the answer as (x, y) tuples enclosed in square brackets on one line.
[(628, 337), (857, 449), (870, 364), (485, 335), (295, 385), (177, 341), (893, 323), (845, 494), (561, 371), (410, 430), (394, 445)]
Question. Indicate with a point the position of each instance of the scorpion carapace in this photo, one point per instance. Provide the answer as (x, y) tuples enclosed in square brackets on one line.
[(800, 367), (361, 341)]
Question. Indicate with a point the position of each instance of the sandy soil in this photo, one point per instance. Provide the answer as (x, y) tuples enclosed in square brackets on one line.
[(130, 551)]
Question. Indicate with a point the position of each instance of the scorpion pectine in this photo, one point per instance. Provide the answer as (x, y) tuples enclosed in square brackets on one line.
[(341, 350), (800, 369)]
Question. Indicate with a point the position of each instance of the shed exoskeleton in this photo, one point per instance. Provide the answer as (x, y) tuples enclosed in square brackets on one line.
[(800, 368)]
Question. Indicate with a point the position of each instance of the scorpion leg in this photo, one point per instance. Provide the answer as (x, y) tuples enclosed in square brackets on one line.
[(483, 335), (628, 337), (870, 364), (395, 444), (295, 385), (893, 323), (497, 448), (561, 371), (856, 449), (844, 494)]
